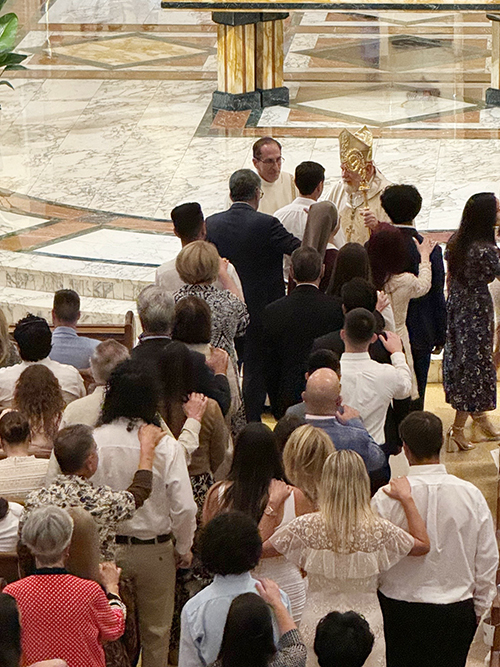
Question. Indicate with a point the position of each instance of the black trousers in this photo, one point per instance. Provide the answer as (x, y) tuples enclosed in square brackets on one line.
[(427, 635), (421, 364), (254, 384)]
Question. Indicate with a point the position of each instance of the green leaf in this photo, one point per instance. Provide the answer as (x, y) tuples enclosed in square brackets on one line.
[(11, 59), (6, 83), (2, 3), (11, 67), (8, 31)]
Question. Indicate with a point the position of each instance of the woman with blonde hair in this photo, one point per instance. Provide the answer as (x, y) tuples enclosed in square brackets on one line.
[(199, 265), (345, 546), (304, 456)]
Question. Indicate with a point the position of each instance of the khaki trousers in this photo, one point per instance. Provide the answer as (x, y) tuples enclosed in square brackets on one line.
[(152, 567)]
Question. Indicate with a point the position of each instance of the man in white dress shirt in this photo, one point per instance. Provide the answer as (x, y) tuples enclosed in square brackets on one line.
[(431, 605), (189, 226), (145, 548), (309, 179), (34, 339), (367, 385), (277, 186)]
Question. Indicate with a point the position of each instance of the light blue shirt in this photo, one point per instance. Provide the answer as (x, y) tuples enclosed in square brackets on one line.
[(70, 348), (204, 616)]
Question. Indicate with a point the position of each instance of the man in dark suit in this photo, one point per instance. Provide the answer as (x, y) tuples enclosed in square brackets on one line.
[(290, 326), (156, 313), (255, 244), (426, 317)]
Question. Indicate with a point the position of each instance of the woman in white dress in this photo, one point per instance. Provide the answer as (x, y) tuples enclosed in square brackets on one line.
[(389, 258), (345, 546), (255, 486)]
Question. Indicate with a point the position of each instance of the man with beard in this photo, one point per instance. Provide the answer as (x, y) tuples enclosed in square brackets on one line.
[(356, 218)]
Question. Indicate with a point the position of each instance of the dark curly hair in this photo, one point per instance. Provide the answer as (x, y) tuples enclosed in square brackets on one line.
[(230, 544), (39, 397), (131, 392), (34, 338)]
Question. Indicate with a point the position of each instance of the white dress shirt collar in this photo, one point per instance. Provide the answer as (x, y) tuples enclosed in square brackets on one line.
[(355, 356), (428, 469)]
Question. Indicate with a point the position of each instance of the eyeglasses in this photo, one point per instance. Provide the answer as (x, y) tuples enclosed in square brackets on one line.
[(269, 161)]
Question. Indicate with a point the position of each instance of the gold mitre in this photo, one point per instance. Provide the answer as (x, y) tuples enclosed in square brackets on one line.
[(356, 149)]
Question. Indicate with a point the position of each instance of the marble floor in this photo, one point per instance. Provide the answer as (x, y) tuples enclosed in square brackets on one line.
[(110, 126)]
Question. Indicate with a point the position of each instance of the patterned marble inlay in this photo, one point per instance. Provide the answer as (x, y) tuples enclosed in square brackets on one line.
[(125, 51), (117, 246), (13, 222), (386, 106)]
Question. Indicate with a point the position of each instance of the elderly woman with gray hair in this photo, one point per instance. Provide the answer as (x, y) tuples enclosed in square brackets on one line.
[(64, 616)]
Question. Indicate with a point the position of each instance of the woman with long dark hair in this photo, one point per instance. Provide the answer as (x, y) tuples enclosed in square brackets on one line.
[(255, 485), (352, 261), (469, 373), (248, 639), (389, 258)]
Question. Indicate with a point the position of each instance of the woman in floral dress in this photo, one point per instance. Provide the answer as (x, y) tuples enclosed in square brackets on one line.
[(469, 373)]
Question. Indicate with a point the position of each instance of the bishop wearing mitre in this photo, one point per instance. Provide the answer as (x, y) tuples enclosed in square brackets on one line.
[(357, 194)]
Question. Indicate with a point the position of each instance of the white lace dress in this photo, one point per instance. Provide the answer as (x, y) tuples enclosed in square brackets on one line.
[(342, 581), (285, 573)]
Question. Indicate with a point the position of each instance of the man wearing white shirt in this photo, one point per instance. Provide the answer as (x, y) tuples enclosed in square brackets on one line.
[(145, 548), (368, 386), (431, 605), (309, 179), (34, 339), (189, 226)]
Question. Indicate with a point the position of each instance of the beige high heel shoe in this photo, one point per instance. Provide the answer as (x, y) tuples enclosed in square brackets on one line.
[(456, 440), (481, 422)]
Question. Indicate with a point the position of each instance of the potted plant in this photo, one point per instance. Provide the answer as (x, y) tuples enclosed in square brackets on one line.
[(8, 31)]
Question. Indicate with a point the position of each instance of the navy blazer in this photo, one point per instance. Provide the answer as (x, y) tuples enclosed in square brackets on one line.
[(255, 244), (426, 318)]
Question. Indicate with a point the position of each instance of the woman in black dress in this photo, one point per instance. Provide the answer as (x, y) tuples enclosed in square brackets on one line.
[(469, 373)]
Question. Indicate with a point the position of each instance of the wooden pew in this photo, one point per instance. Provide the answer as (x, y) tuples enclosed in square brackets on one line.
[(123, 333)]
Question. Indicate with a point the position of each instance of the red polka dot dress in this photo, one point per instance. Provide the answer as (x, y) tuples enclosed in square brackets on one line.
[(65, 617)]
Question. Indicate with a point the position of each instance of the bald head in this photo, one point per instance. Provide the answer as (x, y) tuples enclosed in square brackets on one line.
[(322, 394)]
